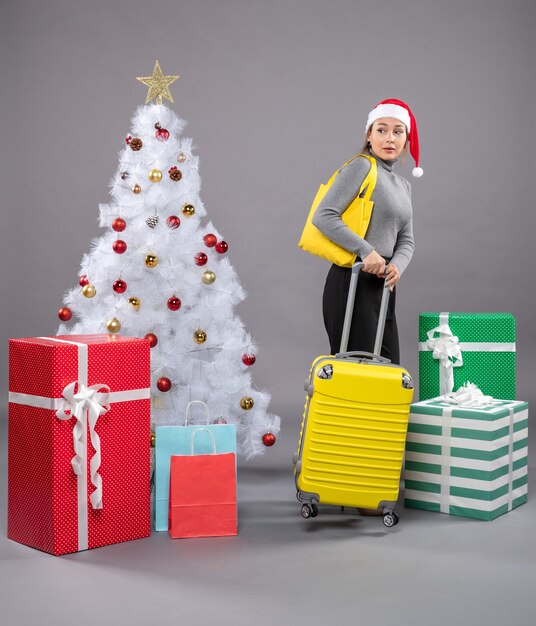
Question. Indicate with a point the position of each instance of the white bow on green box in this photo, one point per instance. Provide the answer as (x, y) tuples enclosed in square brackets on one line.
[(458, 347)]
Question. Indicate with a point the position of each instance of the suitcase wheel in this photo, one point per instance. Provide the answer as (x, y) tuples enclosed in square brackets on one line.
[(306, 511), (309, 510), (390, 519)]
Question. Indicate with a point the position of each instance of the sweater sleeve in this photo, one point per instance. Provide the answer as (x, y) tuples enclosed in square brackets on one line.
[(404, 247), (405, 243), (327, 217)]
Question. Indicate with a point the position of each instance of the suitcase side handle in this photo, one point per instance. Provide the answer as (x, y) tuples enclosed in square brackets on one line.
[(356, 268), (365, 355)]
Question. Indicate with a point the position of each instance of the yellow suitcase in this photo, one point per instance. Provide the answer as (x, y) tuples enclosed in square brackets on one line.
[(354, 427)]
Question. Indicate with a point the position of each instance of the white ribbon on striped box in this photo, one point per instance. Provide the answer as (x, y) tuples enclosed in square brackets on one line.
[(467, 395)]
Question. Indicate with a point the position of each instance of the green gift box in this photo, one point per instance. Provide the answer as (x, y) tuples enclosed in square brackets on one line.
[(455, 348), (471, 462)]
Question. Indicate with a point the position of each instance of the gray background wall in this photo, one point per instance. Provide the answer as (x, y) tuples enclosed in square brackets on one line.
[(276, 94)]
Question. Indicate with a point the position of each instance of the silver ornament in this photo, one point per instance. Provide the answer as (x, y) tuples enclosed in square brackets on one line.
[(152, 220)]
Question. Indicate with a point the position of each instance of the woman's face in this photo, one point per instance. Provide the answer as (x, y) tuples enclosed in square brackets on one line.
[(387, 137)]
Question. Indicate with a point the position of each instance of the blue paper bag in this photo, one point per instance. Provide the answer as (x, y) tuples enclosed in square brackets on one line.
[(175, 440)]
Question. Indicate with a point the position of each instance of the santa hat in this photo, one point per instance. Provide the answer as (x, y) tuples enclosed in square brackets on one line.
[(400, 111)]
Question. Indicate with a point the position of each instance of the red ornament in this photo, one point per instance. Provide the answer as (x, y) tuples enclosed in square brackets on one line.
[(119, 224), (174, 304), (119, 286), (83, 280), (65, 314), (222, 247), (268, 439), (248, 359), (173, 222), (128, 139), (164, 384), (210, 240), (161, 133), (152, 339), (119, 246), (201, 258)]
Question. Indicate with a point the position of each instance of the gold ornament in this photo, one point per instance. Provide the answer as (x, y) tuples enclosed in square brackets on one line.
[(89, 291), (246, 403), (208, 277), (188, 209), (155, 176), (200, 336), (182, 157), (135, 303), (136, 189), (158, 85), (113, 325), (153, 439), (151, 260)]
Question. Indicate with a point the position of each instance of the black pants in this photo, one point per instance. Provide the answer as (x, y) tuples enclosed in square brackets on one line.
[(366, 313)]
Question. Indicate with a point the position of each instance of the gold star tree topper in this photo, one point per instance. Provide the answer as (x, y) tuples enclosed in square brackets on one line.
[(158, 84)]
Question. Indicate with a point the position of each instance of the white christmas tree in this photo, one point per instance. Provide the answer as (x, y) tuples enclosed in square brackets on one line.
[(161, 272)]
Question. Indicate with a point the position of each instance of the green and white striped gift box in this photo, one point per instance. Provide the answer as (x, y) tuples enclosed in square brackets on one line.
[(464, 461)]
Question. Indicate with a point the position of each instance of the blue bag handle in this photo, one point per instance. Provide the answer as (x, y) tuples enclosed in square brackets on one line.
[(192, 440), (188, 411)]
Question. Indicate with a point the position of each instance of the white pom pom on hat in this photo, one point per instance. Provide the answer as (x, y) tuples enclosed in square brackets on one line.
[(400, 111)]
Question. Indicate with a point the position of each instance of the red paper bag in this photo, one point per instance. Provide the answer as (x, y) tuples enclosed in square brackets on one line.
[(202, 494)]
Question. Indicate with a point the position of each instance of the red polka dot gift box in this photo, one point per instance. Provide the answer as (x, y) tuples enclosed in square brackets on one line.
[(78, 441)]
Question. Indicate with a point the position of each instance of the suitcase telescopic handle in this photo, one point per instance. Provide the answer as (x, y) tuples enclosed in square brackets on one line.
[(356, 268)]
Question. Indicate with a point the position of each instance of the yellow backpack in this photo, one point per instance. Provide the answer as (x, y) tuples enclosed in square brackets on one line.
[(356, 217)]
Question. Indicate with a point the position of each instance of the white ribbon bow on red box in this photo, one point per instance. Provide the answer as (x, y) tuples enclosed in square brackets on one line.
[(86, 404)]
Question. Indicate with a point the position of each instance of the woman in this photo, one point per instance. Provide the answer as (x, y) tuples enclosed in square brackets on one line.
[(388, 245)]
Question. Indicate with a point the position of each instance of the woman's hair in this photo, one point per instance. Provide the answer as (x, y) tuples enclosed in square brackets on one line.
[(366, 146)]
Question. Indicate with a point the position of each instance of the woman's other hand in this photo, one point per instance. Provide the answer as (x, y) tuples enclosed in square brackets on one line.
[(373, 263), (392, 275)]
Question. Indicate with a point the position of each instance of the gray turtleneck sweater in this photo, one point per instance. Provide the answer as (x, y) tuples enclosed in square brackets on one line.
[(390, 231)]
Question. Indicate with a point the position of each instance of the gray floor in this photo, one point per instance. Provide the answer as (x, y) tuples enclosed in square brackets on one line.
[(338, 568)]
